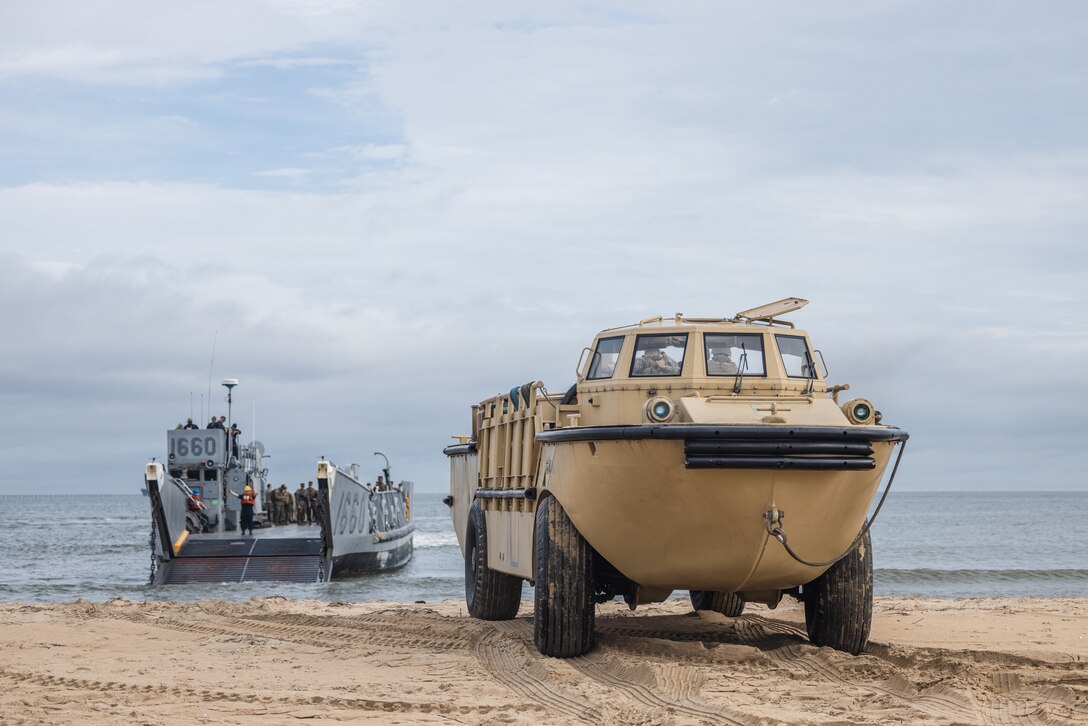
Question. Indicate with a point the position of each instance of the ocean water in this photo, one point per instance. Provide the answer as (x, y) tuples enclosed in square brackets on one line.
[(944, 545)]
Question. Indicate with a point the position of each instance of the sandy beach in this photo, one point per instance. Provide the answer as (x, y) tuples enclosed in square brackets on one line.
[(272, 660)]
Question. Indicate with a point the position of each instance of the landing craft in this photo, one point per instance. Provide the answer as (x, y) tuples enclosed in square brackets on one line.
[(700, 454), (195, 530)]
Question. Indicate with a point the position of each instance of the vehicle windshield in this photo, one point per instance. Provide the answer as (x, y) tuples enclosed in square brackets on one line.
[(605, 357), (659, 355), (728, 355), (796, 358)]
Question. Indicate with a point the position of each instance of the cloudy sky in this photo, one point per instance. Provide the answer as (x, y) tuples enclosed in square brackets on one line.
[(376, 213)]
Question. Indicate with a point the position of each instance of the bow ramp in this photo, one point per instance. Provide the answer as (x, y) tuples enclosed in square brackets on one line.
[(295, 557)]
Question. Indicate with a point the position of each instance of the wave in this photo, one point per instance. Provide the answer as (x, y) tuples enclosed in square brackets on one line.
[(429, 540), (930, 575)]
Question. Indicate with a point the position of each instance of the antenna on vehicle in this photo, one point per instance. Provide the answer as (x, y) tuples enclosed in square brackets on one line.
[(388, 476), (211, 365)]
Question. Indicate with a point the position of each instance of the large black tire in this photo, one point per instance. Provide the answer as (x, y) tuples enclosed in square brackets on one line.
[(839, 603), (564, 622), (729, 604), (491, 595)]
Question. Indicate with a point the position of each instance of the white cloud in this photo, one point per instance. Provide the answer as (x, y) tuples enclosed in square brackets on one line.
[(549, 172), (293, 172), (377, 152), (162, 42), (292, 63)]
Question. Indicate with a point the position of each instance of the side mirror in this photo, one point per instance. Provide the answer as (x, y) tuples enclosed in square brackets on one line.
[(581, 363)]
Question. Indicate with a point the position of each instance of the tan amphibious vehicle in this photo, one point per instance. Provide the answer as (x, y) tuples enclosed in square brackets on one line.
[(701, 454)]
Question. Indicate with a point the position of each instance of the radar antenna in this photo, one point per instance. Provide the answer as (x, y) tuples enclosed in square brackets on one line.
[(229, 384)]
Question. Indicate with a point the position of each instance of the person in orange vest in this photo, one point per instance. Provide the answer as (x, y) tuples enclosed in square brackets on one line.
[(248, 499)]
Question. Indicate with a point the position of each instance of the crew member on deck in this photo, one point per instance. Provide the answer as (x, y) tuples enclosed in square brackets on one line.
[(234, 433), (248, 499)]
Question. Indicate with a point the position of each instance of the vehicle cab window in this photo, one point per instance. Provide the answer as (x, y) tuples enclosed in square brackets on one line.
[(728, 355), (604, 358), (796, 358), (658, 355)]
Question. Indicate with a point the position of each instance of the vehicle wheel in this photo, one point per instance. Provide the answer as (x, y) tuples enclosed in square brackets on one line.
[(729, 604), (491, 595), (564, 621), (839, 603)]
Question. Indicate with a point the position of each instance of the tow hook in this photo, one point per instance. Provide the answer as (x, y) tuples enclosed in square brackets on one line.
[(774, 519)]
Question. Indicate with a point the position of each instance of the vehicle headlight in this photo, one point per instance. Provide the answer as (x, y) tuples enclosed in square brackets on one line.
[(859, 411), (659, 409)]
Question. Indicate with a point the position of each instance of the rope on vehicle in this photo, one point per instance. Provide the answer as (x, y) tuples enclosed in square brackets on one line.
[(547, 396), (774, 522)]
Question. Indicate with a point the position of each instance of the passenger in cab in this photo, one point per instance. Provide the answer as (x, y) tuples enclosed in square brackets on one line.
[(721, 363), (654, 362)]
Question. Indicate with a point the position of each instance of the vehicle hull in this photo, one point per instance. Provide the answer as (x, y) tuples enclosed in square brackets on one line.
[(374, 558), (359, 530), (366, 530), (664, 524)]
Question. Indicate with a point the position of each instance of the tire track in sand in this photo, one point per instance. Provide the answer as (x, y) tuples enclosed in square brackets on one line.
[(941, 700), (1012, 685), (638, 683), (154, 692), (510, 663), (377, 632), (1010, 701), (784, 644)]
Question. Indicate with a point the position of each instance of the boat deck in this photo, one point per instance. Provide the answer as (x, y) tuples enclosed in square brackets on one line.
[(280, 531)]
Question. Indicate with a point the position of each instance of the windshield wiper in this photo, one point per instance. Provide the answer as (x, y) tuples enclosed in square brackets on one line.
[(811, 371), (741, 368)]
